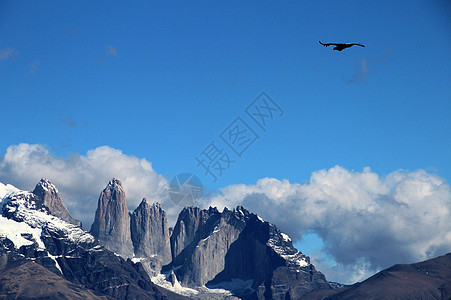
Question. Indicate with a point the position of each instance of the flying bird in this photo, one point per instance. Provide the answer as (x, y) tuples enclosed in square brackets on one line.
[(340, 47)]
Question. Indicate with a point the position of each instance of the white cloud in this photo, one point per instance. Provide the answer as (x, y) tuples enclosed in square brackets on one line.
[(366, 221), (81, 178)]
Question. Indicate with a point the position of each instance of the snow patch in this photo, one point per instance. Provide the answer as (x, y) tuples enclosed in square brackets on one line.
[(201, 292), (57, 265), (6, 190), (236, 285), (293, 257), (162, 280), (96, 248), (296, 259), (138, 259), (285, 237), (216, 229), (15, 232)]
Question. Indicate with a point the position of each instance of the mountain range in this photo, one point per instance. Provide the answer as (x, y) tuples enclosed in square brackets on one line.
[(233, 250), (233, 254)]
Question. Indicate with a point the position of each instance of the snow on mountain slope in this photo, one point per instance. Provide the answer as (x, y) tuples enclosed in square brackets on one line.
[(6, 190), (30, 232), (20, 206), (21, 224), (20, 233), (281, 244)]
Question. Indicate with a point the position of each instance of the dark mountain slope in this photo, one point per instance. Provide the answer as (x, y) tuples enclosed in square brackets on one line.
[(28, 280), (430, 279)]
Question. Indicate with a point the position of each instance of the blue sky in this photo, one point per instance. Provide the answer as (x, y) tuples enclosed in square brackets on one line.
[(161, 80)]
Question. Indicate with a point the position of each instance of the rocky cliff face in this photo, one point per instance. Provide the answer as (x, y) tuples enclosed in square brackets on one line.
[(48, 196), (198, 247), (150, 232), (192, 225), (238, 251), (112, 221)]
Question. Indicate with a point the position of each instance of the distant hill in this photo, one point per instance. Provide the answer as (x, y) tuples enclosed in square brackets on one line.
[(430, 279)]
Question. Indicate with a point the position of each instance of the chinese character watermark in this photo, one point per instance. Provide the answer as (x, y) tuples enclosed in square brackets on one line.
[(239, 136), (214, 161), (262, 110)]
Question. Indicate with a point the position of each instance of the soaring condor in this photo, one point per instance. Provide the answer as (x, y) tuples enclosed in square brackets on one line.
[(340, 47)]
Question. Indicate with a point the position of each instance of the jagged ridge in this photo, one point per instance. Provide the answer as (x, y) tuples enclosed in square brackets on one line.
[(233, 250), (220, 248)]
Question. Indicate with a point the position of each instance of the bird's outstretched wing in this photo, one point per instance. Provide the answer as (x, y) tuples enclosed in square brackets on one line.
[(358, 45), (326, 45)]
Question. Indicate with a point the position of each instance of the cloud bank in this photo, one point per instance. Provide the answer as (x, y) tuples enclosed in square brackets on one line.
[(367, 222), (364, 220)]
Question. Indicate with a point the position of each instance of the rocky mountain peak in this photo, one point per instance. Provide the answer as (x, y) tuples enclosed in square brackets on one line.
[(240, 208), (115, 190), (150, 232), (144, 204), (115, 184), (45, 185), (112, 221), (47, 197), (242, 213)]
